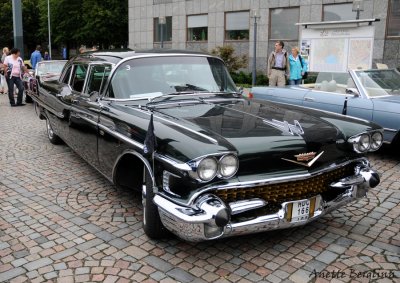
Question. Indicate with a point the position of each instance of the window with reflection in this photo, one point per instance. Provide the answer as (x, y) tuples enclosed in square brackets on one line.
[(166, 29), (339, 12), (197, 28), (97, 78), (237, 25), (152, 77), (78, 77), (283, 23), (393, 21)]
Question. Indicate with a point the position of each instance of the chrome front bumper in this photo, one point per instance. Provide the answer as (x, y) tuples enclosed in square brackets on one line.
[(210, 218)]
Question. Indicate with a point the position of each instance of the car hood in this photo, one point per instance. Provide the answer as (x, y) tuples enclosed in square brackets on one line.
[(256, 131)]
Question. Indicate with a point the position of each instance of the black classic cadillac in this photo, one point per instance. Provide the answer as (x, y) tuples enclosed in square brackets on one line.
[(209, 162)]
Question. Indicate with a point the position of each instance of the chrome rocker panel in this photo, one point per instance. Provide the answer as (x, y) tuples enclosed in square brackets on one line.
[(209, 217)]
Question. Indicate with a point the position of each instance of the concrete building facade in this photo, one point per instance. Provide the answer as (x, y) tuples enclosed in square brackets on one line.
[(205, 24)]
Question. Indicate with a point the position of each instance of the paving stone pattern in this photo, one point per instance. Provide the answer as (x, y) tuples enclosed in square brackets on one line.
[(61, 221)]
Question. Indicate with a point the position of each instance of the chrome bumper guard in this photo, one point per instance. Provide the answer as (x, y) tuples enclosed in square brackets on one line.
[(209, 217)]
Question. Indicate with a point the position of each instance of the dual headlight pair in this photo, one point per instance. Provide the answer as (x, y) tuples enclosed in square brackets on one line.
[(367, 142), (209, 167)]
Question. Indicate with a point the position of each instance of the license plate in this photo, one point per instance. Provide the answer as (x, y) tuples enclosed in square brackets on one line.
[(301, 210)]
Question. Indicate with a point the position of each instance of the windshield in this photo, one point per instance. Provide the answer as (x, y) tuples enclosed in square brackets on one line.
[(154, 76), (380, 82), (50, 67), (334, 82)]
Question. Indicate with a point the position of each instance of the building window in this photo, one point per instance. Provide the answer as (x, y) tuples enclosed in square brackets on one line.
[(197, 28), (155, 2), (283, 22), (339, 12), (237, 26), (166, 29), (393, 21)]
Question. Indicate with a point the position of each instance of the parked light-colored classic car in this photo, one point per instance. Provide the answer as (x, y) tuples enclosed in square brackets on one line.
[(373, 95)]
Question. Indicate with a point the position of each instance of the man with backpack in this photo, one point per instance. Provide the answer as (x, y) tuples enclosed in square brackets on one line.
[(278, 65), (14, 68)]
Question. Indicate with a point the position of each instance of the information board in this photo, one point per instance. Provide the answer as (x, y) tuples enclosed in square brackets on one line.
[(337, 49)]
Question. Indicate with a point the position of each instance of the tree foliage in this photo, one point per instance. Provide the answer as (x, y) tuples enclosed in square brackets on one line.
[(73, 22), (232, 61)]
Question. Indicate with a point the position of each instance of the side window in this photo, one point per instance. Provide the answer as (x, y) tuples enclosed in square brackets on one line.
[(78, 77), (67, 75), (97, 78)]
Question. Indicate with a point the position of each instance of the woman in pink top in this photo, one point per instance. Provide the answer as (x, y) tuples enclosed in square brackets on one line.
[(13, 69)]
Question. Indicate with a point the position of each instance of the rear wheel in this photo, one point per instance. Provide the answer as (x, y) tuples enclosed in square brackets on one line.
[(152, 224), (53, 138)]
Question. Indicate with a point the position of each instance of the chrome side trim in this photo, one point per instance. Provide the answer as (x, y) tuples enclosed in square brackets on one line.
[(172, 162), (214, 141), (138, 155), (390, 130), (48, 108), (177, 124), (89, 120), (121, 137)]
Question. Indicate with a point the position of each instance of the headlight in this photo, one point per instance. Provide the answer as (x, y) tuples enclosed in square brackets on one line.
[(207, 168), (364, 143), (228, 166), (367, 142), (376, 141)]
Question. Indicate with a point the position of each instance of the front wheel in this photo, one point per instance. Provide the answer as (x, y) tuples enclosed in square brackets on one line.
[(152, 224), (53, 138)]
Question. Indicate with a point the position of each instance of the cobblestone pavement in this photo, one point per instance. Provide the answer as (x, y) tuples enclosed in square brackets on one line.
[(62, 221)]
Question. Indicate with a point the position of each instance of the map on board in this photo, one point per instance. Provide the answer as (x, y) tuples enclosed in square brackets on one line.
[(359, 54), (329, 54), (337, 49)]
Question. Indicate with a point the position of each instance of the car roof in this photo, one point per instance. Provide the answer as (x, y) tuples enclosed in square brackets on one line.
[(114, 56)]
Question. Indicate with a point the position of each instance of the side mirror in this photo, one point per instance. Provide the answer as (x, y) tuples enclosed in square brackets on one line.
[(352, 91)]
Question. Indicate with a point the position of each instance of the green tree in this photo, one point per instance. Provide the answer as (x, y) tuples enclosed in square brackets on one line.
[(31, 23), (6, 26), (106, 22), (232, 61)]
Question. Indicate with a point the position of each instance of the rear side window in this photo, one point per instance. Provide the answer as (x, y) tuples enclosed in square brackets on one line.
[(97, 78), (78, 77), (67, 75)]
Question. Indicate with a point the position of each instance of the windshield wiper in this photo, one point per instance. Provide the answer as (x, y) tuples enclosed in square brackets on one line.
[(186, 87)]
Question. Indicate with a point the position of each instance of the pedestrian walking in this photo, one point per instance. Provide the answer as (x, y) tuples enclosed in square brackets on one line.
[(278, 65), (46, 56), (36, 57), (14, 68), (298, 67), (3, 81)]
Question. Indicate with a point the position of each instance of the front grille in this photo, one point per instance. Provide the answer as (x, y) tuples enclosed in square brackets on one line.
[(275, 194)]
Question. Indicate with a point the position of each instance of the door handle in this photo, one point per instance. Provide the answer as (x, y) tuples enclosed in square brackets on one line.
[(308, 98)]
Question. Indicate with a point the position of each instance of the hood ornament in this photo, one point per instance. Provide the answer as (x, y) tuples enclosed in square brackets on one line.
[(293, 129), (304, 157)]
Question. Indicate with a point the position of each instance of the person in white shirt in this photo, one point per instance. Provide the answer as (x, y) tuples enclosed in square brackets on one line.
[(14, 68)]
